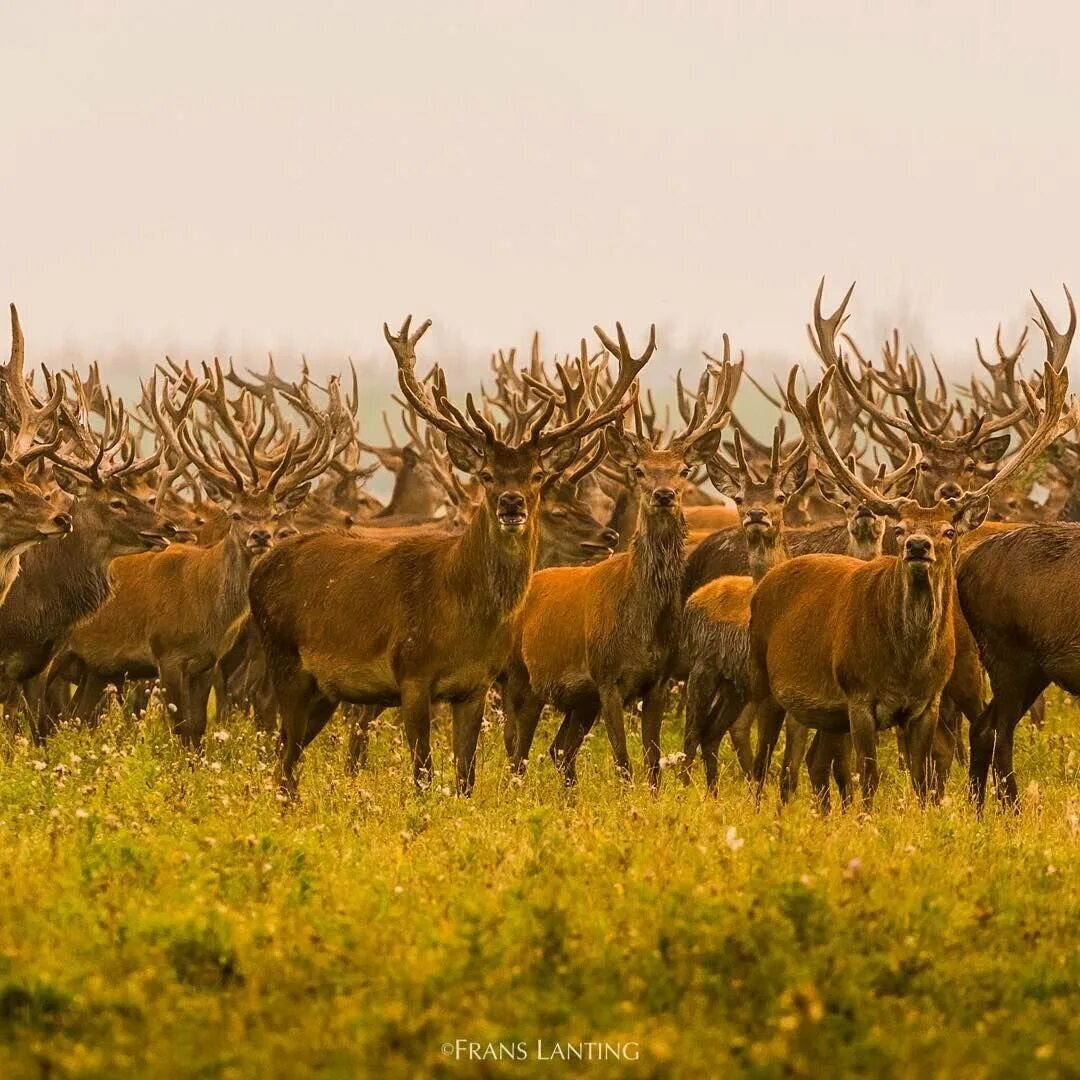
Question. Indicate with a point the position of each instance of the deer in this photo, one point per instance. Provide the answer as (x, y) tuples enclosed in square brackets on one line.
[(590, 640), (61, 584), (410, 620), (848, 646), (718, 612), (27, 518), (134, 635)]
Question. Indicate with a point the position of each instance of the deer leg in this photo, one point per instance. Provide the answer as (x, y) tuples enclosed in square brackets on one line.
[(770, 718), (901, 749), (1014, 689), (301, 720), (611, 708), (725, 712), (796, 736), (864, 740), (523, 709), (1007, 715), (468, 716), (577, 723), (416, 716), (920, 740), (840, 752), (818, 760), (741, 732), (652, 718), (199, 686), (701, 687), (360, 720)]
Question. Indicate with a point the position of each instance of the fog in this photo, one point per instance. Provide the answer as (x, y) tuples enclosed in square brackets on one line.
[(205, 178)]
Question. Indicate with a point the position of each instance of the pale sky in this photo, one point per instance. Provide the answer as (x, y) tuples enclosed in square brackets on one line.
[(240, 176)]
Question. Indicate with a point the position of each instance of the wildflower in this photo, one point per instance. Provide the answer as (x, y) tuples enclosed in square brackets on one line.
[(222, 735), (81, 814), (39, 766), (733, 839)]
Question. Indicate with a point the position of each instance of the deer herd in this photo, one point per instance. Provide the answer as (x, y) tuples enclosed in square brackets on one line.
[(908, 559)]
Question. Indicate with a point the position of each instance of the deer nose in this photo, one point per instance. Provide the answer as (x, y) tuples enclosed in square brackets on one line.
[(259, 536), (664, 497), (610, 537), (918, 547), (512, 502), (757, 516), (949, 490), (62, 521), (169, 529)]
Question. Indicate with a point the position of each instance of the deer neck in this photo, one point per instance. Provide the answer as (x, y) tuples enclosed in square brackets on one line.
[(657, 559), (765, 552), (489, 568), (925, 607), (409, 497)]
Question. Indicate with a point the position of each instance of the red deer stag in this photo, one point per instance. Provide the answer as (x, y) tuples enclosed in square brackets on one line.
[(846, 645), (590, 640), (412, 619)]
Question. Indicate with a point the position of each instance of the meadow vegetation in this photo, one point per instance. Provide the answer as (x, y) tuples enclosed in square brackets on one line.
[(162, 915)]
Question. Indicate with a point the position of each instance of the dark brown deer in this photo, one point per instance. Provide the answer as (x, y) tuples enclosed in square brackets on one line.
[(411, 620), (846, 645), (591, 640), (26, 517), (60, 584), (1018, 593)]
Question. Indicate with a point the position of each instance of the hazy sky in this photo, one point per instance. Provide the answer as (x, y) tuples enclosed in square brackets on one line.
[(190, 176)]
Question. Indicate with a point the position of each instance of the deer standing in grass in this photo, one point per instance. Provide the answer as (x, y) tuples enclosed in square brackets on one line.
[(136, 635), (410, 620), (850, 646), (590, 640)]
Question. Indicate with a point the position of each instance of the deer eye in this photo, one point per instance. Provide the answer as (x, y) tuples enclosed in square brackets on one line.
[(538, 476), (117, 504), (638, 470), (949, 534), (898, 530), (684, 472), (6, 498), (558, 511), (737, 500), (487, 476), (781, 498), (235, 515)]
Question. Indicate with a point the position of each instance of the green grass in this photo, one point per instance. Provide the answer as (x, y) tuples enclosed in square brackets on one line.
[(165, 917)]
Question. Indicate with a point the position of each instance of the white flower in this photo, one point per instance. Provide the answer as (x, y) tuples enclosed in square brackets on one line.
[(221, 735), (733, 839)]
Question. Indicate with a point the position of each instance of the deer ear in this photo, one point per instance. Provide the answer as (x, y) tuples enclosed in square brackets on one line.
[(700, 450), (795, 477), (561, 456), (622, 447), (463, 455), (720, 479), (829, 491), (67, 482), (409, 456), (972, 515), (213, 492), (295, 496), (992, 449)]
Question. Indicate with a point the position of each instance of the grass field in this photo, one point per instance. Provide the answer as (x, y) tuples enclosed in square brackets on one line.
[(160, 917)]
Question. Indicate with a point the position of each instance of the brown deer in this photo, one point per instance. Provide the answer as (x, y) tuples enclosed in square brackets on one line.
[(135, 635), (846, 645), (590, 640), (26, 517), (409, 620)]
